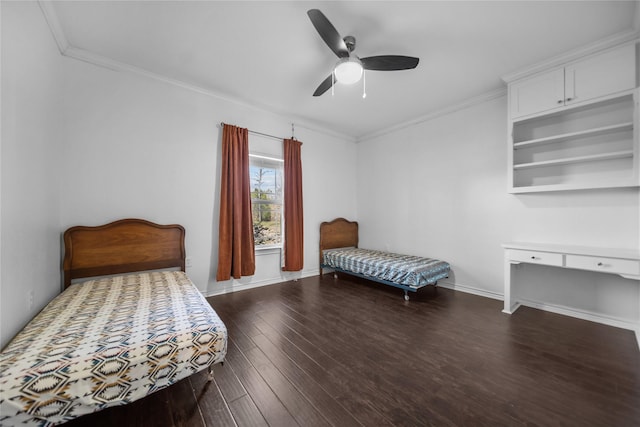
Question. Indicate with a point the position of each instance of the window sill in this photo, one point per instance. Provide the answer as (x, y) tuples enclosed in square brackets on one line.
[(266, 250)]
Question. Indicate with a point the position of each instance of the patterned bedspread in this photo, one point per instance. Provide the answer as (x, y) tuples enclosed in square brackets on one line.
[(107, 342), (406, 270)]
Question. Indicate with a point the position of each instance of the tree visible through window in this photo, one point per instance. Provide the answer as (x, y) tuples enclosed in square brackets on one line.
[(266, 199)]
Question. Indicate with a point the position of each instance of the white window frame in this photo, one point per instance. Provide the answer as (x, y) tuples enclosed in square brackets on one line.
[(258, 160)]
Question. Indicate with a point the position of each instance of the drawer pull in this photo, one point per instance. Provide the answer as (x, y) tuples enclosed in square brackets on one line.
[(534, 257), (630, 267)]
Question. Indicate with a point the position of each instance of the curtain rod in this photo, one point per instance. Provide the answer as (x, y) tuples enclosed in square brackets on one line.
[(266, 134)]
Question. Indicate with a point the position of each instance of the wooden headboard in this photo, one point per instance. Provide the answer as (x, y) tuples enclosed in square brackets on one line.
[(122, 246), (339, 233)]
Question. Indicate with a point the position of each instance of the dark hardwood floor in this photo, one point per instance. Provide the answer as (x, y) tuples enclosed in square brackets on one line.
[(349, 352)]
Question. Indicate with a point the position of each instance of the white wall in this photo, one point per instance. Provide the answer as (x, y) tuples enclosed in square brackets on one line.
[(88, 145), (438, 189), (137, 147), (84, 145), (30, 156)]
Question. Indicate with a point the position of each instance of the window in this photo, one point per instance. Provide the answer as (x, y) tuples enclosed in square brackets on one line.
[(266, 199)]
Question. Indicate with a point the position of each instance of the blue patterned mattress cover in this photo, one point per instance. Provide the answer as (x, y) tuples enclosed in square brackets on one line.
[(406, 270)]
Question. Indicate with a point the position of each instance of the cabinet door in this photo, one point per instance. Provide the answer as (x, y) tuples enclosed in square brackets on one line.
[(600, 75), (541, 92)]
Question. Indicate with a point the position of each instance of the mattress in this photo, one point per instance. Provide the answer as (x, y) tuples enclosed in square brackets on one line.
[(108, 342), (407, 270)]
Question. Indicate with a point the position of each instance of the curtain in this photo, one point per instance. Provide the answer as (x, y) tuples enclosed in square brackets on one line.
[(236, 253), (293, 224)]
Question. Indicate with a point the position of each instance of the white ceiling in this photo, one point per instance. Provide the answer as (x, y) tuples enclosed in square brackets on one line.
[(268, 54)]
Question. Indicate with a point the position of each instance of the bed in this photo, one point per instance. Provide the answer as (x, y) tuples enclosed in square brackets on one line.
[(111, 340), (339, 251)]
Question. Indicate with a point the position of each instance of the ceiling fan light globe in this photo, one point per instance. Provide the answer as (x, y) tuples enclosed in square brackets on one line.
[(348, 70)]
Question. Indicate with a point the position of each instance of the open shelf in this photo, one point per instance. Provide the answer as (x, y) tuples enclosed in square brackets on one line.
[(565, 187), (579, 159), (592, 145), (627, 126)]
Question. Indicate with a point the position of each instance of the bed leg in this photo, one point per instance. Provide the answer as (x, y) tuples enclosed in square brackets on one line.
[(210, 374), (406, 295), (335, 275)]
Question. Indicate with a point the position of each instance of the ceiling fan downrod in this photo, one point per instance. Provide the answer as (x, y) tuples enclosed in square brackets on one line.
[(350, 41)]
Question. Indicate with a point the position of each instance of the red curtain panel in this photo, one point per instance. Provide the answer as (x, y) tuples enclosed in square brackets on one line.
[(293, 218), (236, 253)]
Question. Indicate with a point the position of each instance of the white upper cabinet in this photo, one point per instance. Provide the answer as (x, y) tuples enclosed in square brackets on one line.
[(542, 92), (577, 126), (599, 75), (589, 78)]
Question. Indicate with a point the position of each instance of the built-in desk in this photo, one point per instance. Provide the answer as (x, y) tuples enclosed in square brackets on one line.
[(623, 262)]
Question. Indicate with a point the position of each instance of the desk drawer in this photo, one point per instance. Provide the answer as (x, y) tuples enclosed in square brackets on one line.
[(535, 257), (605, 265)]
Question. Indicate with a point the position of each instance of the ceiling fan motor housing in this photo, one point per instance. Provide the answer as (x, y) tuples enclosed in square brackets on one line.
[(350, 41), (350, 68)]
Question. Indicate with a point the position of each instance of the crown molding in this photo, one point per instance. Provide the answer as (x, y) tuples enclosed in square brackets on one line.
[(630, 36), (54, 25), (69, 51), (113, 65), (480, 99)]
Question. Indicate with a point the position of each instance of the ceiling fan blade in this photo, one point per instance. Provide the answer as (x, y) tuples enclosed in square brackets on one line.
[(389, 62), (328, 33), (324, 86)]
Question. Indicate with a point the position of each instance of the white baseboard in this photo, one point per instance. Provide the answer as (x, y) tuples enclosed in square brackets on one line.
[(553, 308), (470, 290), (582, 314), (237, 285)]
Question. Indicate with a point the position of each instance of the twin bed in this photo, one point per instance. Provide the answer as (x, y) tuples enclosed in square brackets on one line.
[(339, 251), (111, 340), (141, 325)]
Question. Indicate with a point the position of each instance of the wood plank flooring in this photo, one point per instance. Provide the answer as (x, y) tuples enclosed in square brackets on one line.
[(348, 352)]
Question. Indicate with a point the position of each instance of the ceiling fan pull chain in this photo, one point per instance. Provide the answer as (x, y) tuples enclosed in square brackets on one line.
[(349, 68), (333, 82), (364, 84)]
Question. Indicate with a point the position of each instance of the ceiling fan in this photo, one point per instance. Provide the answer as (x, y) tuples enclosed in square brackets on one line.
[(349, 68)]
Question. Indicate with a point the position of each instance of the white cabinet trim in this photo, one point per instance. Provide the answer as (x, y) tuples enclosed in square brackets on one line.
[(626, 37), (619, 261)]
